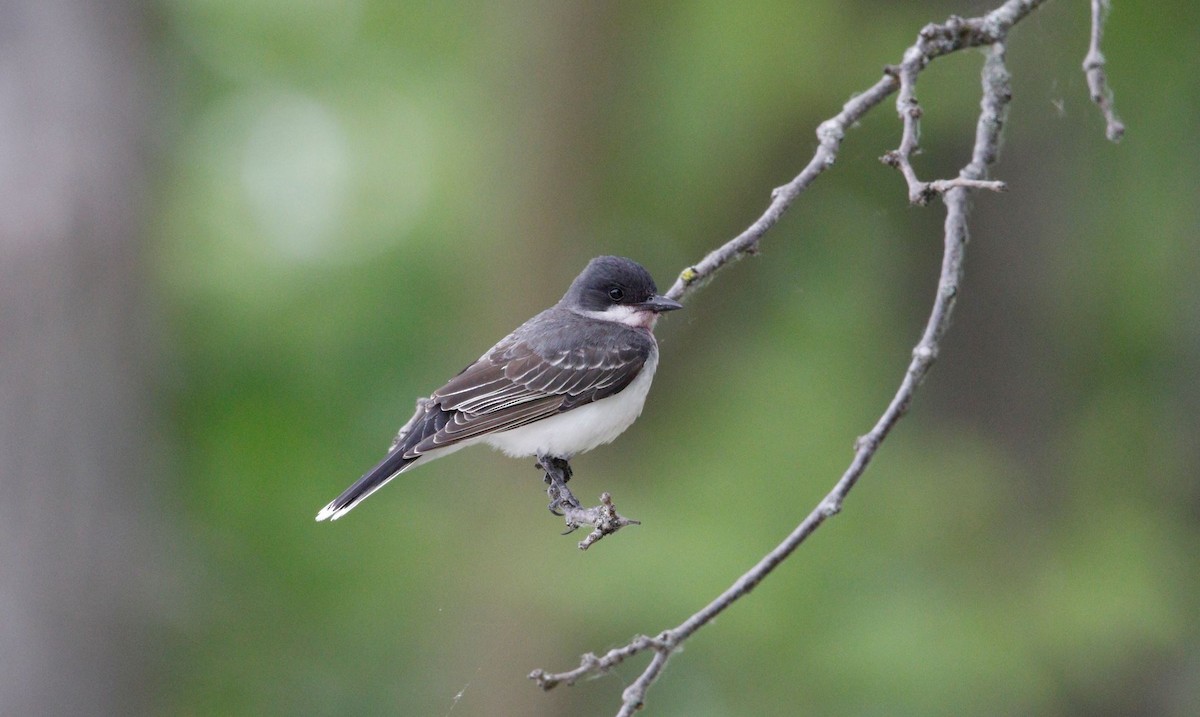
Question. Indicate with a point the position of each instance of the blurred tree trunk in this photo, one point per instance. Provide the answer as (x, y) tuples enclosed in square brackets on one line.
[(76, 535)]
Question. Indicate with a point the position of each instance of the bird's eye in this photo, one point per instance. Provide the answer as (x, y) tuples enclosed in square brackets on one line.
[(616, 294)]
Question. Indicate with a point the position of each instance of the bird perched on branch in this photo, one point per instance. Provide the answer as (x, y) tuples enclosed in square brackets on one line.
[(570, 379)]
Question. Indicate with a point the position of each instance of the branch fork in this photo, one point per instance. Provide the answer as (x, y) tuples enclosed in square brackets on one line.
[(633, 697), (934, 41)]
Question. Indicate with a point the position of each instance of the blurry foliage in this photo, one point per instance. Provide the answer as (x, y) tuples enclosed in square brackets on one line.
[(362, 196)]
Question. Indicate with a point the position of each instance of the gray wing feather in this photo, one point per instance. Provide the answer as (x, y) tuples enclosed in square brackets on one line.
[(514, 384), (469, 425)]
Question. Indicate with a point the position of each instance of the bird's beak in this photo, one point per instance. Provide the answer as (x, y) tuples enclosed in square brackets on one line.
[(659, 304)]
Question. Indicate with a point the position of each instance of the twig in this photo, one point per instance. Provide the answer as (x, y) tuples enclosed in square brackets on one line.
[(935, 40), (829, 136), (975, 32), (1097, 80), (604, 518)]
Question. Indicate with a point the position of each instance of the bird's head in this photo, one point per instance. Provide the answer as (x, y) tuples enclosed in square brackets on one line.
[(613, 288)]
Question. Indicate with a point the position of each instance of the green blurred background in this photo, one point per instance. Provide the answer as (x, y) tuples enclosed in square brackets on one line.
[(328, 207)]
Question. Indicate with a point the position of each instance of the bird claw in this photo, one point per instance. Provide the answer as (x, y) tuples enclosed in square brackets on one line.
[(561, 499), (558, 472)]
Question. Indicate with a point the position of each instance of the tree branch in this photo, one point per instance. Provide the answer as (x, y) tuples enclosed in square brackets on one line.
[(1097, 80), (934, 41), (604, 518)]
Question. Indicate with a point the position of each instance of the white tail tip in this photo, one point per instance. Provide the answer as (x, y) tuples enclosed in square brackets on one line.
[(330, 513)]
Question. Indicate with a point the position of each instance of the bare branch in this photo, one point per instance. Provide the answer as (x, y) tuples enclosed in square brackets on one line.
[(590, 664), (991, 31), (934, 41), (829, 136), (1097, 80)]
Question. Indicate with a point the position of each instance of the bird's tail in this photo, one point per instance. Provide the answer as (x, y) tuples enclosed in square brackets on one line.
[(372, 481), (423, 423)]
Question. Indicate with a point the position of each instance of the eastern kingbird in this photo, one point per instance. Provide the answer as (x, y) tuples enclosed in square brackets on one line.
[(569, 379)]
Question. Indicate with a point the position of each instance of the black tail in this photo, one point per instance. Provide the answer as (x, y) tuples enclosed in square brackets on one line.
[(365, 486), (427, 420)]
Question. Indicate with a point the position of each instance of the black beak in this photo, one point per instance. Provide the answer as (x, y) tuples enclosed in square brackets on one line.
[(659, 304)]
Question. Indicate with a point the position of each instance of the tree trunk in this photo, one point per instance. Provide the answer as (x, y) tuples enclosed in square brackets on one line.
[(77, 529)]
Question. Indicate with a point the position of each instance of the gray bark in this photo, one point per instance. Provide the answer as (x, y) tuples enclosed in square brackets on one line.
[(76, 530)]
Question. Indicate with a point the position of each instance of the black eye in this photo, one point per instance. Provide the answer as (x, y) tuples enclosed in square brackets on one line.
[(616, 294)]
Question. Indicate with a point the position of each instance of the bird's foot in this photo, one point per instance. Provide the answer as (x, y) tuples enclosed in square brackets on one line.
[(558, 472)]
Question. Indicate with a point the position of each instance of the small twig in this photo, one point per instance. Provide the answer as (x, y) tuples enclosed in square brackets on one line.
[(589, 664), (829, 136), (968, 33), (1097, 80), (936, 40), (604, 518), (920, 193)]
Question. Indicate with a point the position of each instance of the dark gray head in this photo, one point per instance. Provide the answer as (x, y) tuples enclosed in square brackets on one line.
[(617, 289)]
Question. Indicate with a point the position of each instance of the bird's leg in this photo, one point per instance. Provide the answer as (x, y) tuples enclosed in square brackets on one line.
[(604, 517), (558, 472)]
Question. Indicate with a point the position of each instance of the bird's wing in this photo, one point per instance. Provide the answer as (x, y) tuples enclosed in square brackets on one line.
[(514, 384)]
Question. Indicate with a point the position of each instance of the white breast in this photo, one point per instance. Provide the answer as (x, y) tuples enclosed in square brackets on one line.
[(581, 429)]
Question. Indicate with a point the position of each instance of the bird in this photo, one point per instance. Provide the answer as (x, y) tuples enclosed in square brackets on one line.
[(568, 380)]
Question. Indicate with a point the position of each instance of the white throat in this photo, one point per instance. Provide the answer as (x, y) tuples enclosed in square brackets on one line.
[(622, 314)]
